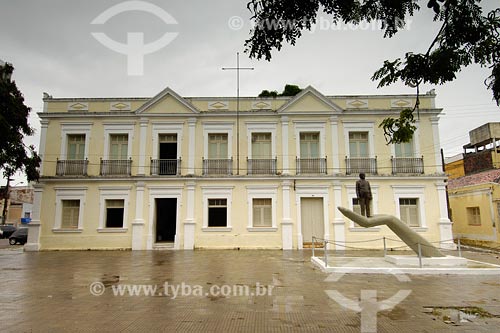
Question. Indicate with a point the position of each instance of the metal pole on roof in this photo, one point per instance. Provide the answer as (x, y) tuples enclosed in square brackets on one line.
[(237, 68)]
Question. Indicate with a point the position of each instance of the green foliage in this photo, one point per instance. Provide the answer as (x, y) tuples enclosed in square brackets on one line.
[(466, 35), (14, 155), (400, 129), (289, 90), (267, 93)]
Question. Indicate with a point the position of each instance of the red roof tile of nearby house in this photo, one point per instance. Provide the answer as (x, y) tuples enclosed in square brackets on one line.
[(490, 176)]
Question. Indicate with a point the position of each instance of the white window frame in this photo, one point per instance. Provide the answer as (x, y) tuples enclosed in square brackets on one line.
[(262, 192), (218, 128), (167, 128), (69, 193), (308, 127), (74, 128), (113, 193), (118, 128), (355, 126), (351, 194), (261, 127), (411, 192), (217, 192)]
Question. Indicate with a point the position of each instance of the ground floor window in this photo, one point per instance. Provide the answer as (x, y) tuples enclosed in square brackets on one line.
[(262, 212), (217, 212), (473, 216), (70, 214), (114, 213), (408, 211)]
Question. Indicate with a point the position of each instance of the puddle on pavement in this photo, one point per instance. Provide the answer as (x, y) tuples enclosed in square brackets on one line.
[(455, 315), (108, 280)]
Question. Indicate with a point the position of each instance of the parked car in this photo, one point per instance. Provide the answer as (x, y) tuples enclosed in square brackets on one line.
[(19, 236), (6, 230)]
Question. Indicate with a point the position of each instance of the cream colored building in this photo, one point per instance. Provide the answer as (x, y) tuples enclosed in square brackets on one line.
[(191, 172)]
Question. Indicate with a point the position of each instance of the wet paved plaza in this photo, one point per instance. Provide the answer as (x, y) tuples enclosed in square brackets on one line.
[(224, 291)]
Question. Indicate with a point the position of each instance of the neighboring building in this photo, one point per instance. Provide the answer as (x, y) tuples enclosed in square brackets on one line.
[(475, 207), (191, 172), (483, 151), (454, 166), (19, 203), (475, 197)]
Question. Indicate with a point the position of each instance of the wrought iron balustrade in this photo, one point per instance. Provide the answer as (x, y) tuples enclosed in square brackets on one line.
[(218, 166), (408, 165), (355, 165), (116, 167), (261, 166), (311, 166), (72, 167), (169, 167)]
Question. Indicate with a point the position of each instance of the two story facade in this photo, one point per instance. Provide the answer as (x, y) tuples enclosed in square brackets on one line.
[(216, 172)]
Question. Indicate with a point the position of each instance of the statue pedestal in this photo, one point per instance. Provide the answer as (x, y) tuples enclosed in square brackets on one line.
[(448, 261)]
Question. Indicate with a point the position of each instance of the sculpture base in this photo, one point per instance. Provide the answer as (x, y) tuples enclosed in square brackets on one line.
[(413, 261)]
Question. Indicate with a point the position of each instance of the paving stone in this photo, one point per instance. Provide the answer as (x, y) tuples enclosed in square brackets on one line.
[(49, 292)]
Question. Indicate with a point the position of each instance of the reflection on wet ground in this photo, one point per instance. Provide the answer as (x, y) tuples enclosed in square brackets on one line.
[(216, 291)]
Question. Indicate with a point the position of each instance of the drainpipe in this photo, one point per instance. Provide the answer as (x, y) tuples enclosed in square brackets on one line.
[(446, 187), (492, 212)]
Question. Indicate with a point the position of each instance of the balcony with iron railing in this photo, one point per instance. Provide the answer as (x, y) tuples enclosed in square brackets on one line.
[(116, 167), (407, 165), (71, 167), (355, 165), (261, 166), (218, 166), (165, 167), (311, 166)]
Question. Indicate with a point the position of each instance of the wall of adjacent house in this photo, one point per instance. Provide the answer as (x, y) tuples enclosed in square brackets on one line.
[(455, 169), (483, 196)]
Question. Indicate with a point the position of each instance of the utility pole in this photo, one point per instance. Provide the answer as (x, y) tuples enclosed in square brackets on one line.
[(6, 201), (237, 68)]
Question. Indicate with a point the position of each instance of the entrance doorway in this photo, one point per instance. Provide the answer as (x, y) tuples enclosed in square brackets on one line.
[(312, 219), (166, 219)]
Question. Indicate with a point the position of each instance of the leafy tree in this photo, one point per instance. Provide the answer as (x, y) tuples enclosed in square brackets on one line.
[(267, 93), (289, 90), (14, 154), (466, 37)]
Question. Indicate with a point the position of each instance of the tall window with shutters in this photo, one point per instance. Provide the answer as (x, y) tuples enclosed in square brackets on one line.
[(70, 214), (404, 149), (309, 145), (76, 147), (262, 212), (118, 147), (261, 145), (358, 144), (408, 210), (217, 146)]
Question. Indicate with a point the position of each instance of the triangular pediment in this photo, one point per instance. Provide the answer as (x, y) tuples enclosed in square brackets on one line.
[(167, 101), (310, 100)]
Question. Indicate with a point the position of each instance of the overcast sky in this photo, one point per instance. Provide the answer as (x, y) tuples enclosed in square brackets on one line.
[(51, 46)]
